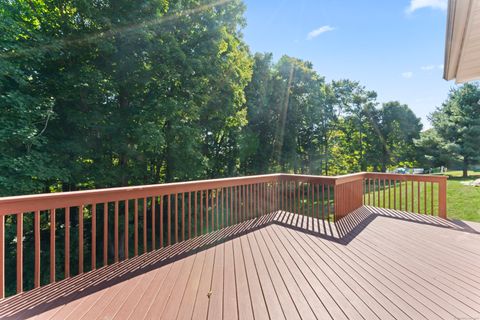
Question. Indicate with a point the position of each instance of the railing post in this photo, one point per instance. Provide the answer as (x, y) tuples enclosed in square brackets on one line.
[(442, 199)]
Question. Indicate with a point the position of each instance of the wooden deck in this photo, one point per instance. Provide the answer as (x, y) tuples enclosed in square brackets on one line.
[(373, 264)]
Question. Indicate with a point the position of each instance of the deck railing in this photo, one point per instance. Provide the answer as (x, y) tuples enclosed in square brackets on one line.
[(136, 220)]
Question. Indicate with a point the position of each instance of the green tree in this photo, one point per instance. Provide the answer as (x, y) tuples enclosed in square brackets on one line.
[(398, 128), (457, 123)]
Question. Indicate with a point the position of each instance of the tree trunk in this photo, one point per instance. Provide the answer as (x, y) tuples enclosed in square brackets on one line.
[(465, 167)]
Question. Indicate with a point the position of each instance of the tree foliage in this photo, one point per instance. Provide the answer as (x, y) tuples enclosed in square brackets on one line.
[(456, 128)]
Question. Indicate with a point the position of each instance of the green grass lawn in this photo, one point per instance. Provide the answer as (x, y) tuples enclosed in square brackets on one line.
[(463, 202)]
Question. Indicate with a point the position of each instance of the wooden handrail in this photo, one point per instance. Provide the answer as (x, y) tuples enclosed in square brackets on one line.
[(152, 216)]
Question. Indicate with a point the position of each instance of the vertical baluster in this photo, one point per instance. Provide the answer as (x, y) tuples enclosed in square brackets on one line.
[(201, 212), (251, 201), (323, 201), (2, 256), (80, 239), (328, 202), (52, 245), (20, 252), (418, 196), (126, 223), (213, 195), (406, 195), (36, 227), (378, 192), (115, 232), (135, 227), (431, 198), (176, 217), (183, 216), (94, 236), (105, 233), (222, 204), (161, 231), (259, 200), (395, 194), (314, 202), (369, 192), (153, 222), (231, 206), (207, 200), (217, 208), (389, 193), (244, 202), (196, 211), (413, 198), (400, 195), (189, 215), (145, 245), (384, 205), (67, 242), (424, 197), (236, 204), (169, 219)]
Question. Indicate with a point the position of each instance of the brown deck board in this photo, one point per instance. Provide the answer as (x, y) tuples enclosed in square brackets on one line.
[(245, 310), (320, 300), (319, 277), (289, 309), (295, 291), (273, 304), (176, 295), (200, 310), (159, 301), (256, 292), (215, 306), (373, 264)]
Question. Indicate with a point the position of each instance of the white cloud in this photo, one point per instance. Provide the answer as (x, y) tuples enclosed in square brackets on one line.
[(440, 66), (427, 68), (407, 74), (419, 4), (315, 33)]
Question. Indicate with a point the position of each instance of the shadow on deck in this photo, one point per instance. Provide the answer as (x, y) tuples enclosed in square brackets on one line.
[(57, 294)]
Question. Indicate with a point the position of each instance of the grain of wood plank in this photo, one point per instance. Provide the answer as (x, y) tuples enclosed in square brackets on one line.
[(160, 300), (245, 310), (215, 303), (385, 287), (272, 302), (99, 306), (368, 306), (307, 265), (116, 303), (283, 295), (364, 283), (174, 300), (135, 296), (257, 297), (200, 310), (443, 307), (188, 300), (295, 292), (230, 308), (141, 309), (319, 299)]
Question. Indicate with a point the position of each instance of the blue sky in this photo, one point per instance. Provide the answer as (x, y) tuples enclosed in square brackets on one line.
[(393, 47)]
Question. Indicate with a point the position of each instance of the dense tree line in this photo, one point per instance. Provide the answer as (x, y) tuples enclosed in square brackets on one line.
[(109, 93)]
